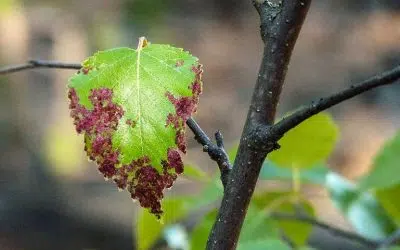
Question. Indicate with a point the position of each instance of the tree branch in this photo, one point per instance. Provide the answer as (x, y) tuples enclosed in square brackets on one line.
[(281, 22), (31, 64), (333, 230), (216, 152), (385, 78)]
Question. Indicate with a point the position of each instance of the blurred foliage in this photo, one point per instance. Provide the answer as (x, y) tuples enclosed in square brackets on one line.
[(144, 13), (63, 150), (385, 169), (297, 232), (149, 228), (7, 5), (195, 173), (361, 208), (389, 198), (373, 211), (314, 175), (275, 244), (307, 144)]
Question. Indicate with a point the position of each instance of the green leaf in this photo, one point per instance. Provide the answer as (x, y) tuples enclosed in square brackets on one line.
[(195, 173), (269, 244), (298, 232), (315, 174), (149, 229), (132, 106), (389, 198), (307, 144), (385, 169), (361, 208)]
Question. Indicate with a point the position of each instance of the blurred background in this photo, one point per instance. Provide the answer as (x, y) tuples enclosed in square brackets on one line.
[(51, 197)]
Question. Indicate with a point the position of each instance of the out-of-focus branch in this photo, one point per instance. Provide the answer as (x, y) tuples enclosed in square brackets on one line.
[(331, 229), (32, 64)]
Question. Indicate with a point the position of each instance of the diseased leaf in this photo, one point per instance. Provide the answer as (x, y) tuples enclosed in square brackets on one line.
[(132, 106), (309, 143), (385, 170)]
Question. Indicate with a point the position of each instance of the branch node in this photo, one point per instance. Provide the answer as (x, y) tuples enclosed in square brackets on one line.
[(216, 151), (219, 139)]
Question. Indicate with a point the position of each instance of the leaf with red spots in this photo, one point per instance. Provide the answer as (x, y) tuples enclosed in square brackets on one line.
[(132, 106)]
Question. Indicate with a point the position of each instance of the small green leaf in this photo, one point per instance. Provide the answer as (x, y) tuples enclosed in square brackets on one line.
[(361, 208), (315, 174), (298, 232), (385, 169), (149, 229), (132, 107), (269, 244), (307, 144), (195, 173), (389, 198)]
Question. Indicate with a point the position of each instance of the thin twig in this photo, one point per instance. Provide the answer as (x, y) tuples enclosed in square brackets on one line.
[(216, 151), (333, 230), (391, 240), (385, 78), (38, 64)]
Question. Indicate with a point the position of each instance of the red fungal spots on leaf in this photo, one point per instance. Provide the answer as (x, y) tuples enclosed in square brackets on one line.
[(180, 140), (140, 177), (174, 121), (98, 125), (131, 123), (175, 161), (149, 184), (85, 70), (185, 106), (179, 63)]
